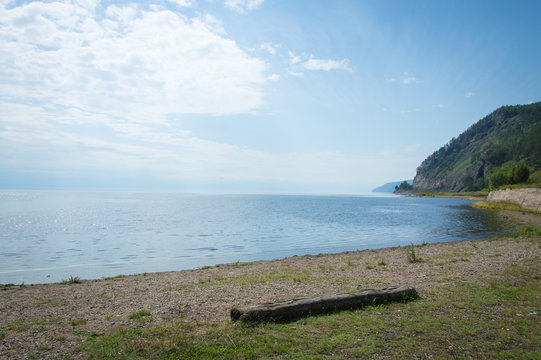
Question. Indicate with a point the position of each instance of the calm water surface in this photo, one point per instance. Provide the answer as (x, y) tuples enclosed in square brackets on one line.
[(47, 236)]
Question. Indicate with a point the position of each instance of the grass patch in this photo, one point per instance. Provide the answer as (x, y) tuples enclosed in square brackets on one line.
[(48, 302), (528, 231), (474, 195), (71, 280), (497, 320), (518, 186), (295, 274), (502, 206), (412, 256), (241, 264), (114, 277), (141, 316), (35, 324), (78, 322)]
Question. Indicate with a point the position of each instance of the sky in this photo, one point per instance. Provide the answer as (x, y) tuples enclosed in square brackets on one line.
[(251, 96)]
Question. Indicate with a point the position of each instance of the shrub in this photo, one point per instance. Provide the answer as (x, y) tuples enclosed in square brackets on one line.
[(71, 280), (510, 173), (412, 257), (535, 177)]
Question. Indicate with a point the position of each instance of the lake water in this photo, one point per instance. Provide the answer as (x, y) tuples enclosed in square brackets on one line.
[(47, 236)]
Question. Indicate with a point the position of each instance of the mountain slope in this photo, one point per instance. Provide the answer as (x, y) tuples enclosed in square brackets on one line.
[(511, 133)]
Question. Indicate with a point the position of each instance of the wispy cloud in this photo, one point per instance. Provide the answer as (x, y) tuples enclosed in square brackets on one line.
[(212, 23), (326, 64), (469, 94), (269, 47), (407, 111), (407, 79), (242, 6), (183, 3), (293, 59), (295, 73)]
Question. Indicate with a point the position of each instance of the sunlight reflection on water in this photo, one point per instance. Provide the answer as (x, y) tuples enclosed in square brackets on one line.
[(48, 236)]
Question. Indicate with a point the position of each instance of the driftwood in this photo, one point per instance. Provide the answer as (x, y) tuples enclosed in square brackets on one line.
[(297, 308)]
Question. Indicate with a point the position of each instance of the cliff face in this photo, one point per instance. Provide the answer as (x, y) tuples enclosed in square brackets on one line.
[(464, 164)]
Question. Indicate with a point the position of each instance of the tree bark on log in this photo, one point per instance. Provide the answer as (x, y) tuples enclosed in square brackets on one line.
[(297, 308)]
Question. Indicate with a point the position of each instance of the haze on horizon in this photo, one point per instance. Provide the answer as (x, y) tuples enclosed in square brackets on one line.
[(266, 96)]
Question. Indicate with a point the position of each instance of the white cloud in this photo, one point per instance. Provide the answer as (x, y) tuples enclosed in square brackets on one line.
[(407, 79), (469, 94), (64, 54), (183, 3), (407, 111), (326, 64), (295, 73), (241, 6), (270, 48), (293, 59), (212, 23)]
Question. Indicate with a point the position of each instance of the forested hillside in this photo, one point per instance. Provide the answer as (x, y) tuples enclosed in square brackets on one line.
[(511, 133)]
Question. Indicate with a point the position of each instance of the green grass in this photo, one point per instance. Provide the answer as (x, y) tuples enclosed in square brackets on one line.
[(412, 256), (481, 195), (114, 277), (528, 231), (497, 319), (518, 186), (79, 322), (48, 302), (295, 274), (71, 280), (35, 324), (502, 206), (141, 316)]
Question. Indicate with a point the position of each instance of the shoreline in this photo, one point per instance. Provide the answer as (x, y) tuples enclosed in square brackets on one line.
[(53, 319)]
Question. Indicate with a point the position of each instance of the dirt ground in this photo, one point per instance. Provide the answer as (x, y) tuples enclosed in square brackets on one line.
[(50, 321)]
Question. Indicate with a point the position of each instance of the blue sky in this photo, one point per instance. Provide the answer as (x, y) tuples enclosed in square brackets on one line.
[(256, 96)]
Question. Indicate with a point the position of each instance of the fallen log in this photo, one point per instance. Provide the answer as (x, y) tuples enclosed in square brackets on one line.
[(297, 308)]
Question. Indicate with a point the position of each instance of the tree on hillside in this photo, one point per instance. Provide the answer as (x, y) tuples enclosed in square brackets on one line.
[(404, 186), (510, 173)]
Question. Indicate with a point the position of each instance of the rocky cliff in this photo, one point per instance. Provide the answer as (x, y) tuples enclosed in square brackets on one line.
[(511, 133)]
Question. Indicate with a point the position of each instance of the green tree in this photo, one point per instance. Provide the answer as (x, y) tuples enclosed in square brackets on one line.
[(497, 178), (520, 173), (404, 186), (510, 173)]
